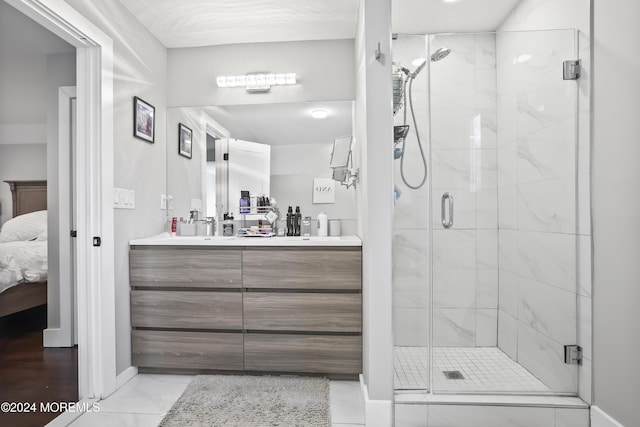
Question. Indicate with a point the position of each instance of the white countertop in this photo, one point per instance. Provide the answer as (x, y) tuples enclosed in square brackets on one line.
[(166, 240)]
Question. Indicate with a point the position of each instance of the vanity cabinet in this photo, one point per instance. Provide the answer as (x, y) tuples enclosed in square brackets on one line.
[(247, 309)]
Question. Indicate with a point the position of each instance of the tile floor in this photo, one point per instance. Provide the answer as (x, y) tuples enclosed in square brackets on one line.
[(143, 401), (485, 369)]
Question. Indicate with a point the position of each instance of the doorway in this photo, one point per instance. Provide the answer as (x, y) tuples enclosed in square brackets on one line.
[(94, 268)]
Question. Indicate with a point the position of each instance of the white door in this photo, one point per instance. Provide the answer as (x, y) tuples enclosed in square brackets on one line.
[(249, 166)]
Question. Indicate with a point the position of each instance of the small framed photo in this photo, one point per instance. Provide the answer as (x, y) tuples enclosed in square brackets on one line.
[(144, 121), (324, 190), (184, 140)]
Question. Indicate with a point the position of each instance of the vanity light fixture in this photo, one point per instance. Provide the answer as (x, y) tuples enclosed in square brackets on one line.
[(257, 82), (319, 114)]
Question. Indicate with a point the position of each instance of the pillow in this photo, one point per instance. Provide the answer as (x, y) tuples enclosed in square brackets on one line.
[(24, 227)]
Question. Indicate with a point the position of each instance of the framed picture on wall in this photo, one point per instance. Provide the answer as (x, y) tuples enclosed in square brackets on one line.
[(184, 140), (144, 120)]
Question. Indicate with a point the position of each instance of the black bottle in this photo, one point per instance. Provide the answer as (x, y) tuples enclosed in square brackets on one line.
[(290, 221), (297, 221)]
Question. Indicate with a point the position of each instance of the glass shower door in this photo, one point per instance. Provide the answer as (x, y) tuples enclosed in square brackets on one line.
[(503, 198)]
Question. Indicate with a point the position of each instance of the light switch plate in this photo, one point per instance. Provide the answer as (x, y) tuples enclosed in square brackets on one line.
[(163, 201), (124, 199)]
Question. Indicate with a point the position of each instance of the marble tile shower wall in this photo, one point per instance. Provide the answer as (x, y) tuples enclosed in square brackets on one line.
[(538, 235), (464, 159), (411, 223)]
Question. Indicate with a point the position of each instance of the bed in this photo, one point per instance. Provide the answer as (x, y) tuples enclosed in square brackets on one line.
[(21, 288)]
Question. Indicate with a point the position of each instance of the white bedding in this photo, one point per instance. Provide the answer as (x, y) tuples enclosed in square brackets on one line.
[(22, 262)]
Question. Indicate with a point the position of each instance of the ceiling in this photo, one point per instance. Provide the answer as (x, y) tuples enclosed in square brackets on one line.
[(439, 16), (21, 36), (285, 124), (190, 23), (187, 23)]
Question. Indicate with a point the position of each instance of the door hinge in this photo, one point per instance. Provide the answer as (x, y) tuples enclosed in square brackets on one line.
[(573, 354), (225, 156), (74, 233), (97, 241), (571, 69)]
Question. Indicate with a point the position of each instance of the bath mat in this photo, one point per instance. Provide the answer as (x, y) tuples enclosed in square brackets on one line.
[(252, 401)]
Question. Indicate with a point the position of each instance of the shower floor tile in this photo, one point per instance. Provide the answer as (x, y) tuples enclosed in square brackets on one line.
[(485, 370)]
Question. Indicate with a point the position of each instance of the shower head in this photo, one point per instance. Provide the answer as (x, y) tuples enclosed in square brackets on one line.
[(440, 54)]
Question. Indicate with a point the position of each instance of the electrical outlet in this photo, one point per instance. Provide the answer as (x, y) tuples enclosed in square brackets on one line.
[(170, 201)]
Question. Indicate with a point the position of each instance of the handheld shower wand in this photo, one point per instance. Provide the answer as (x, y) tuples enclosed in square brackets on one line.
[(436, 56)]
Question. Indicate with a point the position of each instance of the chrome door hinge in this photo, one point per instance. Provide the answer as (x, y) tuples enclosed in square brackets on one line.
[(571, 69), (573, 354)]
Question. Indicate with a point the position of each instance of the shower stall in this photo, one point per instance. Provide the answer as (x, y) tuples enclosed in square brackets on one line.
[(486, 265)]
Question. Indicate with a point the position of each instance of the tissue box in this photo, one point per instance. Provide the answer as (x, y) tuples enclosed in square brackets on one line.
[(186, 229)]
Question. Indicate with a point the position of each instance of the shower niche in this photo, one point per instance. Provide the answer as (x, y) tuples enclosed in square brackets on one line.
[(486, 229)]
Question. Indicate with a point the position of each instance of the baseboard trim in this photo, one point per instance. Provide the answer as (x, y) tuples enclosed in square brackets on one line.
[(378, 413), (125, 376), (599, 418), (56, 337)]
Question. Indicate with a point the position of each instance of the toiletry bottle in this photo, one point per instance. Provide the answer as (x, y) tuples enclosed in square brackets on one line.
[(253, 202), (323, 225), (227, 225), (174, 225), (245, 202), (297, 221), (306, 227), (290, 221)]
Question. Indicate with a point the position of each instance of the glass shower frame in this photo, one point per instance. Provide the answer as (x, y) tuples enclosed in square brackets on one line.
[(557, 44)]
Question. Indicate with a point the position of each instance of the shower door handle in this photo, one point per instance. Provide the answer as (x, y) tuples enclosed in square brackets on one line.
[(447, 220)]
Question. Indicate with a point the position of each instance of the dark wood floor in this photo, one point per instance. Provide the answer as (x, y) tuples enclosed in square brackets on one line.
[(31, 373)]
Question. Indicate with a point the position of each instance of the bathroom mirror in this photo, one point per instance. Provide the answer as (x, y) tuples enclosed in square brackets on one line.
[(341, 152), (296, 146)]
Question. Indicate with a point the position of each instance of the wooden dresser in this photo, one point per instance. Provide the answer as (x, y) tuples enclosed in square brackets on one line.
[(247, 309)]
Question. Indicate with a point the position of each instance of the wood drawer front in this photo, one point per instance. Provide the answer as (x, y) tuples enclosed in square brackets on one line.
[(303, 353), (302, 269), (186, 309), (187, 350), (303, 312), (181, 267)]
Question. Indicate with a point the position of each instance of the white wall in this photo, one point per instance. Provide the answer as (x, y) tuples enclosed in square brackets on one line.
[(324, 70), (19, 162), (140, 63), (23, 112), (616, 108), (373, 145)]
